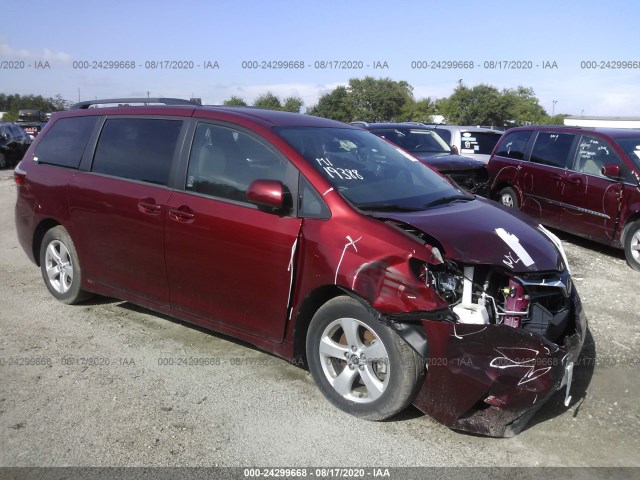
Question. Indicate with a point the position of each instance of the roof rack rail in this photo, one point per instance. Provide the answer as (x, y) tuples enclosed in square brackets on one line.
[(165, 101), (359, 122), (419, 124)]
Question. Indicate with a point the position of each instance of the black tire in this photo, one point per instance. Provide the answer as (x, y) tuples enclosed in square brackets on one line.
[(507, 197), (632, 245), (4, 163), (393, 371), (60, 266)]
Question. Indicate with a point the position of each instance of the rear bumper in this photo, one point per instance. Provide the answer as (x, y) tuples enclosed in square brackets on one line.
[(491, 379)]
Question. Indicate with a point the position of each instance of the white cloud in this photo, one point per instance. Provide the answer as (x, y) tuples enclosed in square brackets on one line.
[(6, 50)]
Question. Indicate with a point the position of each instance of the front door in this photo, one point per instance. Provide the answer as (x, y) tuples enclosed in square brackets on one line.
[(590, 200), (227, 261)]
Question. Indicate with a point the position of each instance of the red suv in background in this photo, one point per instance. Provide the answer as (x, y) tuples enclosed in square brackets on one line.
[(310, 239), (583, 181)]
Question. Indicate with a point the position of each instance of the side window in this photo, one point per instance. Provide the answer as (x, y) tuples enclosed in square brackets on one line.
[(311, 204), (514, 145), (65, 141), (137, 149), (224, 162), (594, 153), (552, 149), (445, 134)]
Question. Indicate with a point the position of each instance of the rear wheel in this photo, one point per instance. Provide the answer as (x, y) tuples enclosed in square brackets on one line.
[(361, 365), (632, 245), (507, 197), (60, 266)]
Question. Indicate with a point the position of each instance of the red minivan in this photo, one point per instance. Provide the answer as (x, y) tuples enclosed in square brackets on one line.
[(581, 180), (312, 240)]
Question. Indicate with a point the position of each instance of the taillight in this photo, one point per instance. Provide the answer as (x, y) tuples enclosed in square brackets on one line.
[(19, 176)]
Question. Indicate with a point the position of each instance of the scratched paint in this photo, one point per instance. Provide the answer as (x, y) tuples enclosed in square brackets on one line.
[(505, 361), (514, 243), (350, 243)]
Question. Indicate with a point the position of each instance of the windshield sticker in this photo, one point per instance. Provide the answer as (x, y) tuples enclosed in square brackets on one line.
[(341, 173), (406, 155), (514, 243)]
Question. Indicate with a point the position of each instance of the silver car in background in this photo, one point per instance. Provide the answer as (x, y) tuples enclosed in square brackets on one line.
[(473, 142)]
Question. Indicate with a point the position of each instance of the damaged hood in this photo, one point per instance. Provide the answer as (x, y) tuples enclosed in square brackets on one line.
[(482, 232), (446, 162)]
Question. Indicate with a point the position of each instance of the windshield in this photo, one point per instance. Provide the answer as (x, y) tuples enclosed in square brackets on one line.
[(414, 140), (368, 171), (631, 147)]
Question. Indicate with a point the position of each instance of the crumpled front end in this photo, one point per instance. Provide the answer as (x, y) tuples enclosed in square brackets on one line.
[(490, 378)]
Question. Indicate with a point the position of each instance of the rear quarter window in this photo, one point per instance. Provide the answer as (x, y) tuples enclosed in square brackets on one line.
[(64, 143), (137, 148), (552, 148), (514, 145)]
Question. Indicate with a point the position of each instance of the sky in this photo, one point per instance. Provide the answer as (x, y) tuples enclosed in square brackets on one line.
[(334, 40)]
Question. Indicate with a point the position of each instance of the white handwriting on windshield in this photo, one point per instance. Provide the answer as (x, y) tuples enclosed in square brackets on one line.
[(341, 173)]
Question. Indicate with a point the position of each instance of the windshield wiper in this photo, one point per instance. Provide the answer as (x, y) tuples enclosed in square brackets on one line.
[(449, 199), (386, 207)]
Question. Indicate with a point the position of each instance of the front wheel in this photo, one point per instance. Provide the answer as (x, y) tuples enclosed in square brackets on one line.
[(507, 197), (632, 245), (359, 364), (60, 266)]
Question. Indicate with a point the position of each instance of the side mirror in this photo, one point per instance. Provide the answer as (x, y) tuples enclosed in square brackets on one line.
[(268, 195), (455, 150), (611, 171)]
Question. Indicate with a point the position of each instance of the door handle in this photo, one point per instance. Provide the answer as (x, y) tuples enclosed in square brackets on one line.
[(149, 206), (181, 214), (574, 180)]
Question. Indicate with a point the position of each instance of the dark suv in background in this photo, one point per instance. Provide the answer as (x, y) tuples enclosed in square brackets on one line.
[(583, 181), (33, 121), (311, 239), (14, 142), (431, 149)]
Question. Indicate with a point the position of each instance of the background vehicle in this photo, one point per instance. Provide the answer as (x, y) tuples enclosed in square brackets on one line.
[(33, 121), (310, 239), (14, 142), (583, 181), (473, 142), (430, 148)]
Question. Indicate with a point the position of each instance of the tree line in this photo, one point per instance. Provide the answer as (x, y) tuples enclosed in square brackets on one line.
[(383, 100), (12, 104), (374, 100)]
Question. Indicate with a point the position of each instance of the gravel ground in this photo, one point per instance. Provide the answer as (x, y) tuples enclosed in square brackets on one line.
[(253, 409)]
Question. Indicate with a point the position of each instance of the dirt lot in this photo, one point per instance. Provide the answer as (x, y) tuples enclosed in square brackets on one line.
[(248, 408)]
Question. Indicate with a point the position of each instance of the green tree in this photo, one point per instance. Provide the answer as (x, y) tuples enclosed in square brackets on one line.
[(268, 100), (292, 104), (370, 100), (523, 106), (336, 105), (379, 100), (481, 105), (235, 102), (418, 110)]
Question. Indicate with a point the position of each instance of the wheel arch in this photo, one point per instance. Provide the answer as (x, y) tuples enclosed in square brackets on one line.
[(409, 331), (635, 217), (307, 310), (43, 227)]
